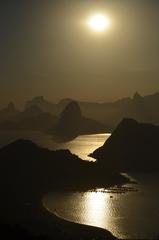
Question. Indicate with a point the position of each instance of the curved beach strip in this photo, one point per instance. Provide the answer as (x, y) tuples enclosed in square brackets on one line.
[(77, 230)]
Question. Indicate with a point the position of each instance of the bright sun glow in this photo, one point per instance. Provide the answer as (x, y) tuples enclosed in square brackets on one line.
[(99, 22)]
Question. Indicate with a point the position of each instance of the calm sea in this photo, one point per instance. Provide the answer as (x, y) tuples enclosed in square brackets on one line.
[(130, 214)]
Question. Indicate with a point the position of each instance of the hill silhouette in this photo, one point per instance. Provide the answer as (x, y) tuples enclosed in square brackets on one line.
[(133, 146), (68, 125), (140, 108), (32, 118), (40, 114), (71, 123), (30, 112), (58, 231), (8, 112), (110, 114), (42, 104), (28, 172)]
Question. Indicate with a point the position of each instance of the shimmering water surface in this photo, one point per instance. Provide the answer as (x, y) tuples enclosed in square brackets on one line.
[(127, 214), (81, 146)]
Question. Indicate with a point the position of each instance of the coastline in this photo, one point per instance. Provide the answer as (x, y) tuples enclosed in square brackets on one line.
[(75, 230), (40, 222)]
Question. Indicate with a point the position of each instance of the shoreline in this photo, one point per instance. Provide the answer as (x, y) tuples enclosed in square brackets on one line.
[(76, 230)]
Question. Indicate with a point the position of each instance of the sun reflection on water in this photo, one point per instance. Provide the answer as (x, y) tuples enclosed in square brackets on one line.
[(96, 208), (96, 205)]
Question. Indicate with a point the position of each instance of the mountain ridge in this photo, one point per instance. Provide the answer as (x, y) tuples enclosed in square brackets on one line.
[(133, 146)]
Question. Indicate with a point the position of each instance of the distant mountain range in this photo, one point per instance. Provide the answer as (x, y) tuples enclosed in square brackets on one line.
[(40, 114), (69, 124), (140, 108), (32, 118)]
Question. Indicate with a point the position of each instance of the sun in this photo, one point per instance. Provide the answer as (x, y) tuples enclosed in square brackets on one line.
[(99, 22)]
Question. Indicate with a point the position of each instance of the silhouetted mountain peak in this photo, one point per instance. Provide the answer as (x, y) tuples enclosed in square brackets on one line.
[(8, 112), (21, 145), (127, 123), (72, 108), (70, 120), (132, 146), (36, 101), (42, 103), (11, 106), (137, 97)]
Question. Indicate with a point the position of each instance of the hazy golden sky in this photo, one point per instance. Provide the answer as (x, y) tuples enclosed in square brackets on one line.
[(46, 49)]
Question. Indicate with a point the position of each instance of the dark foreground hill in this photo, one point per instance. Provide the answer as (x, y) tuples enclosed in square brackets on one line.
[(26, 167), (58, 232), (132, 146), (27, 172)]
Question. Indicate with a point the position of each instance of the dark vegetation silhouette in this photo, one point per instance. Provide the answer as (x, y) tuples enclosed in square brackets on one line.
[(24, 162), (133, 146), (28, 172)]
